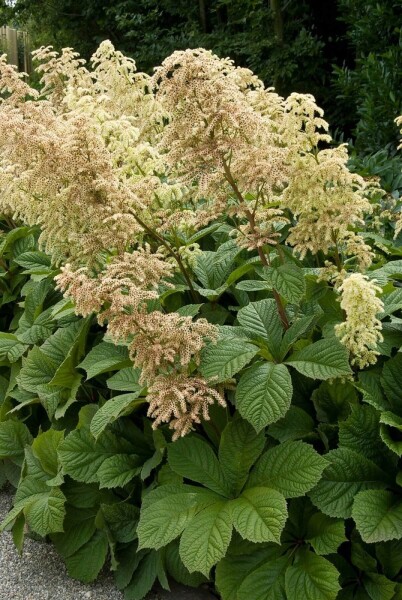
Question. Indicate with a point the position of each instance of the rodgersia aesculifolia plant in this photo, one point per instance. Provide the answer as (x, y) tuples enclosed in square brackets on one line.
[(235, 263)]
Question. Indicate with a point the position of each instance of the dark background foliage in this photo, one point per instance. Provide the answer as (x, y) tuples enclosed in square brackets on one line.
[(348, 53)]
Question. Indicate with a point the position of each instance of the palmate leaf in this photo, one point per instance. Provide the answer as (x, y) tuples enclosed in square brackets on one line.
[(264, 394), (206, 538), (177, 570), (391, 382), (347, 474), (222, 361), (324, 359), (312, 577), (378, 515), (292, 468), (194, 459), (79, 527), (378, 587), (260, 514)]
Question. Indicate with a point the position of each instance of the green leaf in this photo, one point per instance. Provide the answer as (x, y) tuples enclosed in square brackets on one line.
[(35, 262), (221, 361), (113, 409), (379, 587), (391, 430), (324, 359), (206, 538), (292, 468), (118, 470), (167, 512), (45, 447), (178, 571), (378, 515), (264, 394), (243, 558), (347, 474), (144, 577), (37, 369), (122, 519), (14, 436), (390, 556), (392, 302), (288, 280), (391, 382), (81, 455), (260, 514), (125, 380), (11, 348), (79, 528), (86, 564), (253, 285), (194, 459), (46, 514), (325, 534), (360, 432), (105, 357), (312, 577), (294, 333), (261, 321), (294, 425), (267, 582), (239, 448)]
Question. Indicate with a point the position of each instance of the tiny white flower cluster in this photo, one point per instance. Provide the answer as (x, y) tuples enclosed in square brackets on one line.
[(361, 331)]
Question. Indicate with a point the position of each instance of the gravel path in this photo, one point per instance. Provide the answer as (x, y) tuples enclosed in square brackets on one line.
[(40, 574)]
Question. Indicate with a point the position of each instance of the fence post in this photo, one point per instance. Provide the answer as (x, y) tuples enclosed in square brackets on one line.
[(16, 45)]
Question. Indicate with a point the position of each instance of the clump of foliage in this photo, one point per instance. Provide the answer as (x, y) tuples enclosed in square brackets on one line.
[(201, 317)]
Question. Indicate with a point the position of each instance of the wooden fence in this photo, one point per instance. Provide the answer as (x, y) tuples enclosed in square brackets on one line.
[(16, 45)]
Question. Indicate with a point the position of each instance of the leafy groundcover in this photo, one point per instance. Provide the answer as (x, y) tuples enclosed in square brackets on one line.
[(200, 376)]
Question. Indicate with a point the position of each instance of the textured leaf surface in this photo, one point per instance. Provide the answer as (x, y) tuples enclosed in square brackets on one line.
[(261, 321), (239, 448), (264, 394), (260, 514), (112, 410), (168, 511), (267, 582), (105, 357), (312, 577), (222, 361), (378, 515), (288, 280), (292, 468), (118, 470), (347, 474), (206, 539), (86, 563), (194, 459), (325, 534), (81, 455), (294, 425), (321, 360), (14, 436)]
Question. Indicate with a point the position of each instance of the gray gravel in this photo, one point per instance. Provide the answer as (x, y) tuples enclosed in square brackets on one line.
[(40, 574)]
